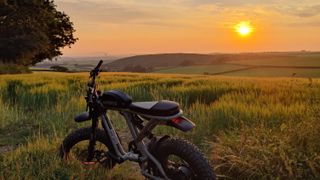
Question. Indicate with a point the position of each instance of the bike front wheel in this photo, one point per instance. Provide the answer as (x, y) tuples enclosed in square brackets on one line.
[(75, 148)]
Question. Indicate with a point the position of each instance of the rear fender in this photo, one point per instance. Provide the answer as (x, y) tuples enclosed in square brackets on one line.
[(153, 145), (181, 123)]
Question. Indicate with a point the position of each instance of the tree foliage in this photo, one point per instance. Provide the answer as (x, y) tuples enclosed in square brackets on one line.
[(33, 30), (59, 68)]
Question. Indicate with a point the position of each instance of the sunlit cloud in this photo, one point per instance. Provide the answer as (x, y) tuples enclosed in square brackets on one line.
[(301, 11)]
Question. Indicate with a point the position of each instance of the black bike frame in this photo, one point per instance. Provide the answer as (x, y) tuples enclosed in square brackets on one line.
[(138, 138), (97, 110)]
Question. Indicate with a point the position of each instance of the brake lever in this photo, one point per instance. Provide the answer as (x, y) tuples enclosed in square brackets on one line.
[(94, 73)]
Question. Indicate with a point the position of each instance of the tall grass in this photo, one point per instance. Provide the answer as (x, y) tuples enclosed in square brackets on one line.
[(249, 127)]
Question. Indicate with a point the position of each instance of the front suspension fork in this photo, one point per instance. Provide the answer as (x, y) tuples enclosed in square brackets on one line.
[(92, 141)]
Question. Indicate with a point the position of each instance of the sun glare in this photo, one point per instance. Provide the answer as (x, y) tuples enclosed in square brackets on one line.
[(244, 28)]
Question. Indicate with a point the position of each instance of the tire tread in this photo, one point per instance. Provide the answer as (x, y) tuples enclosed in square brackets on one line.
[(190, 153)]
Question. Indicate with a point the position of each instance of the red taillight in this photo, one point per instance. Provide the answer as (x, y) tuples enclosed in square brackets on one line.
[(181, 123), (177, 120)]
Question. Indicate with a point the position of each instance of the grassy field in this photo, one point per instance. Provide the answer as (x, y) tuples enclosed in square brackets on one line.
[(286, 60), (200, 69), (243, 70), (250, 128), (257, 65), (277, 72)]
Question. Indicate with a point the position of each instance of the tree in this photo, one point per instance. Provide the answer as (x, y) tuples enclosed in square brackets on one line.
[(33, 30), (59, 68)]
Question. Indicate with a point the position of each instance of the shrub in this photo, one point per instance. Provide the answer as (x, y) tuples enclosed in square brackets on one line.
[(13, 69), (59, 68)]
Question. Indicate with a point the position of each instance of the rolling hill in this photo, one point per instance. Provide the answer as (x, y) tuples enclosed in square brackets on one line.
[(73, 63), (164, 60), (269, 64)]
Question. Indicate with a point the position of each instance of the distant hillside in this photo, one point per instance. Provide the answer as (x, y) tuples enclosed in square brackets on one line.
[(265, 64), (163, 60), (284, 64), (160, 61), (74, 63)]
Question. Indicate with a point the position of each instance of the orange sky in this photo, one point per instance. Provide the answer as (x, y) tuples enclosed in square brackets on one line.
[(123, 27)]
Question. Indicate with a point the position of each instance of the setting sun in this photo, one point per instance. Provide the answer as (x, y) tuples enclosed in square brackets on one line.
[(244, 28)]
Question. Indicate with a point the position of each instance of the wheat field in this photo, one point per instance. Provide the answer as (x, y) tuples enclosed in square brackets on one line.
[(249, 128)]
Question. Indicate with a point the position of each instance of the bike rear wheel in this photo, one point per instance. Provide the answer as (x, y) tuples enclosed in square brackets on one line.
[(181, 160), (75, 148)]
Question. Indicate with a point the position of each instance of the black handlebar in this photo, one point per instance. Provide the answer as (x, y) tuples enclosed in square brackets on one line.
[(99, 64), (96, 70), (92, 85)]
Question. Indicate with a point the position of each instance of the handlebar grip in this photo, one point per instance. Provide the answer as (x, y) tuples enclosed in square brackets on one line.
[(99, 64), (96, 70)]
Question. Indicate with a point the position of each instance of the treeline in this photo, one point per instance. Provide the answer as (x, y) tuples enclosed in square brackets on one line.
[(144, 69)]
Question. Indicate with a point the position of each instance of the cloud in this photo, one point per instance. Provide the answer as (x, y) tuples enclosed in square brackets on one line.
[(111, 12), (301, 11), (188, 13), (304, 24), (228, 3)]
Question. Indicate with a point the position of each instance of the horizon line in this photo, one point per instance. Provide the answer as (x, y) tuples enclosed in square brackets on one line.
[(209, 53)]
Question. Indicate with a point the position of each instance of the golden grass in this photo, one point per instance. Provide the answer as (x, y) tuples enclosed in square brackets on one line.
[(251, 128)]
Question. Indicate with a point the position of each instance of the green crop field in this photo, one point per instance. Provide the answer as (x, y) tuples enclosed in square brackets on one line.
[(249, 128), (238, 70), (285, 60), (277, 72), (256, 65), (219, 68)]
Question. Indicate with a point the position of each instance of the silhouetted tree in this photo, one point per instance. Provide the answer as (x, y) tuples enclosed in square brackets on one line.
[(59, 68), (32, 30)]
